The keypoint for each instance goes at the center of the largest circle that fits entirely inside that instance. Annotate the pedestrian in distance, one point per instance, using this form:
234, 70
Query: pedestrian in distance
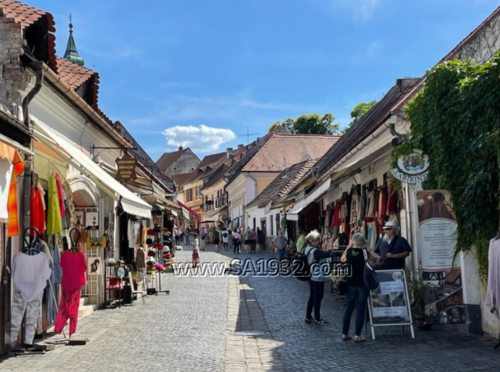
236, 242
261, 240
248, 239
279, 243
196, 250
320, 273
216, 236
356, 255
225, 238
253, 242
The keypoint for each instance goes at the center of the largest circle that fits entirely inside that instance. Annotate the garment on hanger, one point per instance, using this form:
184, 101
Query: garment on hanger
68, 309
382, 205
54, 223
392, 203
55, 280
493, 291
370, 206
37, 217
140, 261
74, 267
13, 228
30, 273
60, 195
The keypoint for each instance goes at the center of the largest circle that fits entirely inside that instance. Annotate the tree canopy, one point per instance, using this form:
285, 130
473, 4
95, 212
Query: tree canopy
360, 109
309, 124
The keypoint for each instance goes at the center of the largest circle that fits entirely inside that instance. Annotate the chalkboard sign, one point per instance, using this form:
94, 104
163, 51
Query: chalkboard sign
389, 304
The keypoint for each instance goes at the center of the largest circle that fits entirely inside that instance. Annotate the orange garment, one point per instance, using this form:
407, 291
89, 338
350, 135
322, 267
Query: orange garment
11, 154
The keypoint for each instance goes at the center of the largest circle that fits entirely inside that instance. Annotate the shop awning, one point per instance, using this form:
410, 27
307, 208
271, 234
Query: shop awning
191, 212
6, 144
131, 203
293, 215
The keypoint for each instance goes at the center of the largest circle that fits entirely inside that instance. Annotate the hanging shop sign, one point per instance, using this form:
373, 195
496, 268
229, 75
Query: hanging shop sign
412, 168
441, 271
389, 303
126, 168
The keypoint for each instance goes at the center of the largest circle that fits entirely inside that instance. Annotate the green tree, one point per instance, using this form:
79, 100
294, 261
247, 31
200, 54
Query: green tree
358, 111
309, 124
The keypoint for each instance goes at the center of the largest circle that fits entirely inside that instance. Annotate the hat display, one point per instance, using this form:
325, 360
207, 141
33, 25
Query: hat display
149, 241
390, 225
151, 232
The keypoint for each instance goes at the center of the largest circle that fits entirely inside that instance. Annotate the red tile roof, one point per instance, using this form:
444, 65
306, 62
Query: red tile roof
180, 179
75, 76
283, 150
26, 16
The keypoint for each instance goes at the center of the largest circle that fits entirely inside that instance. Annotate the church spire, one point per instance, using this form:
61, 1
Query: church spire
71, 54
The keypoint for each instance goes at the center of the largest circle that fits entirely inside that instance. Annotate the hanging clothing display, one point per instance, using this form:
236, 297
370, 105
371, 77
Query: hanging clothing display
12, 207
74, 267
392, 204
60, 195
68, 309
493, 291
54, 222
140, 261
29, 275
55, 280
37, 218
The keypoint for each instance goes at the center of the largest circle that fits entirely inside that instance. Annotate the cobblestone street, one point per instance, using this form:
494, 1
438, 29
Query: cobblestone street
241, 323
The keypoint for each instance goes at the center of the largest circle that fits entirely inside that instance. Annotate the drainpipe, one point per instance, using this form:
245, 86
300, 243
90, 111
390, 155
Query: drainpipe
26, 181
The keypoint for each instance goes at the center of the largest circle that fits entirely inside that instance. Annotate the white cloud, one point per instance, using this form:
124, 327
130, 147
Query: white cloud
202, 138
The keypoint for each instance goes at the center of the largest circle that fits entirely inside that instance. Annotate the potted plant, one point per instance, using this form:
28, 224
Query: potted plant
416, 290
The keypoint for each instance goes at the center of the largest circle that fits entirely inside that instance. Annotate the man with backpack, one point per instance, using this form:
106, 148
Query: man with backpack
319, 271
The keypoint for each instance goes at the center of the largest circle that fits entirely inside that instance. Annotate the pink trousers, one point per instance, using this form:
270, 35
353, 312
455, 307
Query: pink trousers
68, 309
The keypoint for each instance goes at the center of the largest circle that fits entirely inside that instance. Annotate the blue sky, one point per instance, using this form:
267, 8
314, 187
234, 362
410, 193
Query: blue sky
202, 72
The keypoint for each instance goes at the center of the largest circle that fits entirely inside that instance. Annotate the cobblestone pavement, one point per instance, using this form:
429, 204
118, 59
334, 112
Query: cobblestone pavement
247, 324
309, 347
183, 331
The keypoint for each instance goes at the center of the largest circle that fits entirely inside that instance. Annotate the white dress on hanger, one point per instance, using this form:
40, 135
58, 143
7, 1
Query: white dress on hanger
493, 291
30, 274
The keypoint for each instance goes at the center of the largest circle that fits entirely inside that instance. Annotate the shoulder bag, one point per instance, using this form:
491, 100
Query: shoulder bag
370, 275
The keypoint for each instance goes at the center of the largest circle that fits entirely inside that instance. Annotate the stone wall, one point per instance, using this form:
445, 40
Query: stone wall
11, 74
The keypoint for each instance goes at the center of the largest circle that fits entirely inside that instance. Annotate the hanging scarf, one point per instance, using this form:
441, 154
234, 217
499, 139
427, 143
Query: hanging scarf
12, 207
54, 222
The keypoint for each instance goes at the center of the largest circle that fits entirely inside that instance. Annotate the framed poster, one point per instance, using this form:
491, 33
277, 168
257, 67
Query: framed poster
92, 219
78, 218
389, 304
442, 274
94, 265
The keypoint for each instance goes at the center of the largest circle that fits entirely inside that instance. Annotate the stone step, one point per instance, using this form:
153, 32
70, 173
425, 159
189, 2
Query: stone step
85, 311
84, 301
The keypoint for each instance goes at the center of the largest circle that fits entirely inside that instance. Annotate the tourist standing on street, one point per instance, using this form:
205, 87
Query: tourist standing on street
196, 250
203, 237
356, 255
279, 243
392, 248
248, 239
177, 237
216, 239
236, 242
320, 273
225, 238
261, 240
186, 236
253, 242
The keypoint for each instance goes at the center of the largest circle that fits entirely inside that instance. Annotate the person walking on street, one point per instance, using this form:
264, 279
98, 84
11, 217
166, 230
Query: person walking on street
279, 243
261, 241
216, 239
203, 238
356, 255
253, 241
225, 238
236, 242
248, 239
318, 262
196, 250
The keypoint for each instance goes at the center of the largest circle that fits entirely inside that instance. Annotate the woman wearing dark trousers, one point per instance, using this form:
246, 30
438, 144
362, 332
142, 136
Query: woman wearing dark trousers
320, 273
357, 294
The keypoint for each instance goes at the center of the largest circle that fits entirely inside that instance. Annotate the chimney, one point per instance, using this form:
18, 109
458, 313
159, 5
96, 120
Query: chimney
240, 146
229, 152
180, 148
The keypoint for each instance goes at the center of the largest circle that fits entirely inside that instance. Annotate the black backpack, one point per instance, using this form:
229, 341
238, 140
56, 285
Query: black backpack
300, 266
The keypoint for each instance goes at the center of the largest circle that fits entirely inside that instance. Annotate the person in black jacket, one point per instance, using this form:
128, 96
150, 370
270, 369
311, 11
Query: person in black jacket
392, 248
357, 294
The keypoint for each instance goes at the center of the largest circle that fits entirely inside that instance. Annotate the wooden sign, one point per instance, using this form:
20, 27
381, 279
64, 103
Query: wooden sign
126, 168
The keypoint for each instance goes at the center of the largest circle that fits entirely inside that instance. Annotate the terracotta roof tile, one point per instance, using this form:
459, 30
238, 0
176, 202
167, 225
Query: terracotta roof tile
283, 184
75, 76
283, 150
26, 16
180, 179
